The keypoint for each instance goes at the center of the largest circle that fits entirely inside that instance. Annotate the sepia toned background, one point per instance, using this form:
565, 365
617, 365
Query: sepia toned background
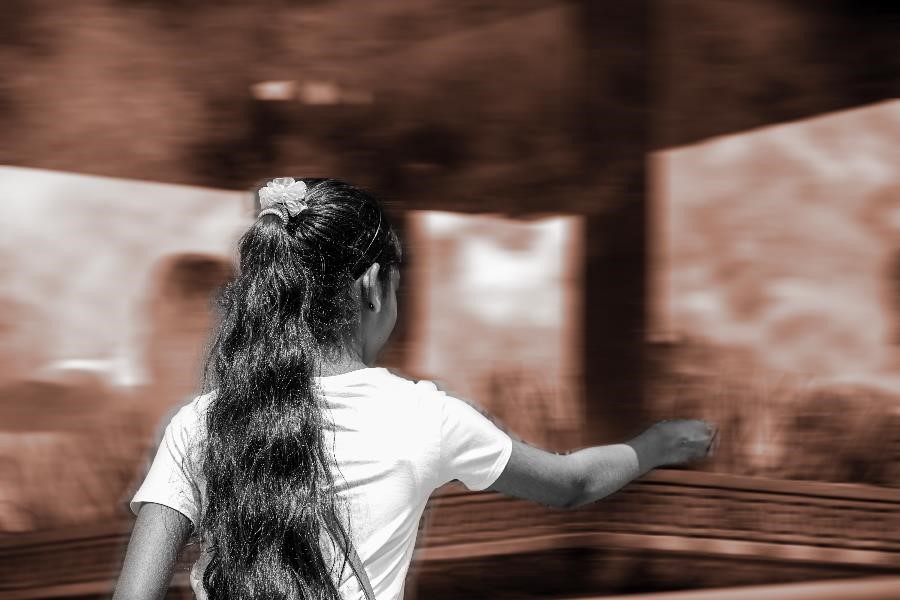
612, 213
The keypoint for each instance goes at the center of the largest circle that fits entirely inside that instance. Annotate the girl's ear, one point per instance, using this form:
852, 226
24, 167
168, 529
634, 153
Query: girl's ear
371, 287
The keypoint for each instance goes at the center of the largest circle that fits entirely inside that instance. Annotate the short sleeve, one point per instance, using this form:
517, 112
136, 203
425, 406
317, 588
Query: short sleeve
168, 481
473, 449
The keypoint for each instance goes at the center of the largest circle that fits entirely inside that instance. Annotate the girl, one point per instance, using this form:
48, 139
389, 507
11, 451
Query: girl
301, 457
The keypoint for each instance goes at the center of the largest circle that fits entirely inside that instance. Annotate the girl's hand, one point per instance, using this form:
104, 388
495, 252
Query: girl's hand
682, 440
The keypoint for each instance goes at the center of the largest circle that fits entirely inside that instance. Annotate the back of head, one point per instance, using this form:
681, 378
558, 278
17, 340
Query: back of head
269, 492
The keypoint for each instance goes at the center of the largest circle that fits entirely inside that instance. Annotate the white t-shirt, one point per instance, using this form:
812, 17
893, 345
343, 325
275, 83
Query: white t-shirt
395, 442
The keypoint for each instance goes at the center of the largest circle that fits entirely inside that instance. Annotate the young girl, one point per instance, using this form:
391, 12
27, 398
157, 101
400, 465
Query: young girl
303, 469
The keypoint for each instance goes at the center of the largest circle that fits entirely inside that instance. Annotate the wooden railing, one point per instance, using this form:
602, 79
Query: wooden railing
849, 528
671, 510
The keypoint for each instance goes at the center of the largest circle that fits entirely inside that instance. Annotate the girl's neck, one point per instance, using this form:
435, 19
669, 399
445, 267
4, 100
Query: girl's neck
342, 365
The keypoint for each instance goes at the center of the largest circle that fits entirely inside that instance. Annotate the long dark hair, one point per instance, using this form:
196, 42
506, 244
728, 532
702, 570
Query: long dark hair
269, 487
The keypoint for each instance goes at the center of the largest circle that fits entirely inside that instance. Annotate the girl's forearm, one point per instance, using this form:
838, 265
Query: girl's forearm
606, 469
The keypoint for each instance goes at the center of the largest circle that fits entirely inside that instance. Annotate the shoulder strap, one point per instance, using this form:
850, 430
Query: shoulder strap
353, 557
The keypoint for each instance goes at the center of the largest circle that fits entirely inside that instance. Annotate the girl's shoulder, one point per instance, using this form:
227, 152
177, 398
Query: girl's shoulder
189, 418
418, 386
375, 377
394, 387
423, 383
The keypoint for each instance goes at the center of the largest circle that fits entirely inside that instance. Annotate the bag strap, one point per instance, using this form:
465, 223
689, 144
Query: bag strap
355, 562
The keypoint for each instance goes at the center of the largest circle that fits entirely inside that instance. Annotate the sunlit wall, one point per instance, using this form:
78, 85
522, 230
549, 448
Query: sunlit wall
105, 311
775, 279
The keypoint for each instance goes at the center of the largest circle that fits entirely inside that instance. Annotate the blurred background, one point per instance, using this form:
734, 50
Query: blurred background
613, 213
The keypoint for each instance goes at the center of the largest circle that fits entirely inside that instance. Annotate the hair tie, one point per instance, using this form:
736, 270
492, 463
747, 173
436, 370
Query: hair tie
275, 210
283, 196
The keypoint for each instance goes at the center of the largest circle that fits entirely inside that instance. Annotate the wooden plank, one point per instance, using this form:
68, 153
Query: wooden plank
663, 543
868, 588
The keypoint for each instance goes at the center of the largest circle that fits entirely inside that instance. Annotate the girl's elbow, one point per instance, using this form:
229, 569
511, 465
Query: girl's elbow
573, 497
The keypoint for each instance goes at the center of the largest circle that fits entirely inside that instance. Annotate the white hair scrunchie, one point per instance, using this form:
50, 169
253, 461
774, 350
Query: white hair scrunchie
284, 197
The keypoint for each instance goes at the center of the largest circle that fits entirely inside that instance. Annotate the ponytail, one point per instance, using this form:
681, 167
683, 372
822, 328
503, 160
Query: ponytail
269, 486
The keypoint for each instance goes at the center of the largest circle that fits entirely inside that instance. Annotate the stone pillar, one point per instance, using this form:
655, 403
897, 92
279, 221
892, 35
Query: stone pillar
179, 317
611, 130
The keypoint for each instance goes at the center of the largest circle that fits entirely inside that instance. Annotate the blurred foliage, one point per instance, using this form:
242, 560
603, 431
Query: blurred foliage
778, 425
534, 410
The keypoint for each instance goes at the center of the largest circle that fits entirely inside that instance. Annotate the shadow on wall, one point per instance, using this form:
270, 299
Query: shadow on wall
177, 317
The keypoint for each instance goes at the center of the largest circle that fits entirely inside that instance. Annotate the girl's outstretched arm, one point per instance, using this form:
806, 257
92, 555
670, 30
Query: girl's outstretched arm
587, 475
158, 537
